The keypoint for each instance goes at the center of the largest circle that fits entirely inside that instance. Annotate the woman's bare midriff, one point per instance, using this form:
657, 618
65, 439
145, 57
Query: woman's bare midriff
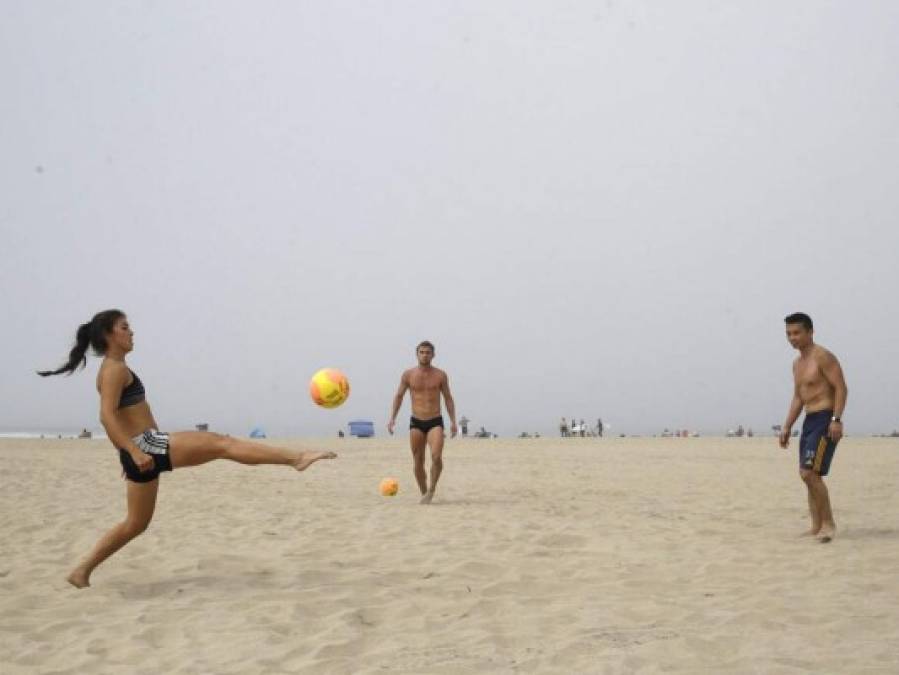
135, 419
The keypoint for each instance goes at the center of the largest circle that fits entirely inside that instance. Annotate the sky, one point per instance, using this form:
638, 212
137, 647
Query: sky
593, 209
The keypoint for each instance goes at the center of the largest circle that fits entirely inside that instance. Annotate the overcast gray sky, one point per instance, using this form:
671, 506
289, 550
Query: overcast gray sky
592, 208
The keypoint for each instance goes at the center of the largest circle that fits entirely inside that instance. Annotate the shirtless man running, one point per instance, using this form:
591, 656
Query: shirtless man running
821, 390
426, 426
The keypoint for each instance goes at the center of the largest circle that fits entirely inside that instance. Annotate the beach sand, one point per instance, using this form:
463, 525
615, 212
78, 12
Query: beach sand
537, 556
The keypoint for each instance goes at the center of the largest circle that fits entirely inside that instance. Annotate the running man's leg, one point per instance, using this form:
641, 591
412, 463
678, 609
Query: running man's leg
141, 498
418, 441
435, 441
191, 448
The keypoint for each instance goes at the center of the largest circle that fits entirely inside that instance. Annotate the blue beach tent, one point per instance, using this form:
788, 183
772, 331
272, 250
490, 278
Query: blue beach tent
362, 428
258, 432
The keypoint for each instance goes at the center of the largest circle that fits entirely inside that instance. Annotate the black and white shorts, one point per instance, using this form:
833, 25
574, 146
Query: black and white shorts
154, 443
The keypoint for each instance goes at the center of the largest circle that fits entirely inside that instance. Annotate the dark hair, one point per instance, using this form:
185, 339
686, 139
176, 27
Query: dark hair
801, 318
90, 334
424, 343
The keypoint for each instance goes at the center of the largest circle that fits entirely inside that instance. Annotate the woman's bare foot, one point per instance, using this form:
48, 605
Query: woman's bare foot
811, 533
79, 578
426, 498
307, 458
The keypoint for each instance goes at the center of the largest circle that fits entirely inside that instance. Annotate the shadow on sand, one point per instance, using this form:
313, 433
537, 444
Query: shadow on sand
197, 584
478, 501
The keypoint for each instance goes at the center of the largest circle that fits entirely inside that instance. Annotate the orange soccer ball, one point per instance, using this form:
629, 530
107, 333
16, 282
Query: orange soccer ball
329, 388
389, 487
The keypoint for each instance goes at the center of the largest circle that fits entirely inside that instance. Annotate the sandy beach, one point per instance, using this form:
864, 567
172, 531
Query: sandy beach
537, 556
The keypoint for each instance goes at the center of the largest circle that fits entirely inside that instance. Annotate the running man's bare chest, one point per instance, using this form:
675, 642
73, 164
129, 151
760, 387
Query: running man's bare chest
420, 383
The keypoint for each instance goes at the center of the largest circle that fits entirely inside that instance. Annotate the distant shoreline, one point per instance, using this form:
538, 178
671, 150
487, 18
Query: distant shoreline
57, 434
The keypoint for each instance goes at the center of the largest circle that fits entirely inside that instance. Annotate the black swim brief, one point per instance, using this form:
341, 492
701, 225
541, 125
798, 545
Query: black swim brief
815, 447
426, 425
154, 443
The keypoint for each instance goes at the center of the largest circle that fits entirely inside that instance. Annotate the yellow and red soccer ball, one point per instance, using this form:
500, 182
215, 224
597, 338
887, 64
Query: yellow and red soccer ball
389, 487
329, 388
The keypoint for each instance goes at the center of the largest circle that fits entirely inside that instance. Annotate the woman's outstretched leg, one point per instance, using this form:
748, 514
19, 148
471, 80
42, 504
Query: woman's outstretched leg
141, 499
190, 448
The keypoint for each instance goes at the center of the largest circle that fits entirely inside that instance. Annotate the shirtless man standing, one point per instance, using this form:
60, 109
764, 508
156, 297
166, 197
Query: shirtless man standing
821, 389
426, 426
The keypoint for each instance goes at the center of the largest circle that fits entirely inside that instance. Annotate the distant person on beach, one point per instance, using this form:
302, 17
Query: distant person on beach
145, 452
820, 388
599, 427
426, 383
463, 424
563, 428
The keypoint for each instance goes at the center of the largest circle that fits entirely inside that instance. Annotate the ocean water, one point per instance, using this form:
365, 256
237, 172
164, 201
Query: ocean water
47, 433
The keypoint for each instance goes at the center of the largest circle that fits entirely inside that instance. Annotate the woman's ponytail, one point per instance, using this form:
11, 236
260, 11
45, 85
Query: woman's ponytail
90, 334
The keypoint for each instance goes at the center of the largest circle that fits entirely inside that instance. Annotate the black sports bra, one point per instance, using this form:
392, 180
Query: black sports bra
134, 393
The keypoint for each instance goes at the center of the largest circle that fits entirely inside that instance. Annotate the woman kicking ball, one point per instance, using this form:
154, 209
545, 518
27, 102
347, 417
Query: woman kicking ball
144, 451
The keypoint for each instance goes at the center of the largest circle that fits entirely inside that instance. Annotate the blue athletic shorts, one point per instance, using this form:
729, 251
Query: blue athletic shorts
815, 448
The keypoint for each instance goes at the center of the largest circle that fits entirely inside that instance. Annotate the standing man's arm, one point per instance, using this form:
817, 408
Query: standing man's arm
833, 373
450, 405
397, 402
792, 414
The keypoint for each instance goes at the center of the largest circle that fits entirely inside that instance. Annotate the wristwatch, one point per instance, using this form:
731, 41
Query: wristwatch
836, 419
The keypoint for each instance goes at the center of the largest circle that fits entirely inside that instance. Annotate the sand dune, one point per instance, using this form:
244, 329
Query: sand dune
538, 556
